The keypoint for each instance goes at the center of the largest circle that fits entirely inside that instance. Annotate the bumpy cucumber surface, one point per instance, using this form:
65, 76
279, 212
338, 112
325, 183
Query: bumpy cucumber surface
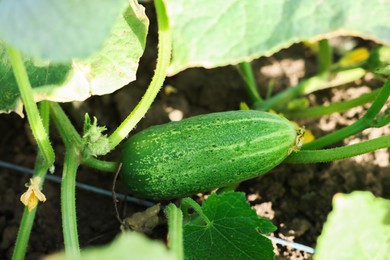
204, 152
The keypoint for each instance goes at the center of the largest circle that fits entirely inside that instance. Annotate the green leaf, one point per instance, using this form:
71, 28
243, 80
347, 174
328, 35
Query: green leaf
220, 32
58, 30
385, 70
108, 70
357, 228
233, 231
129, 245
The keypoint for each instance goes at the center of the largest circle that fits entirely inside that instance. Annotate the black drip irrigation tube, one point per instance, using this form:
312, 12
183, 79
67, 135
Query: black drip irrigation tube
141, 202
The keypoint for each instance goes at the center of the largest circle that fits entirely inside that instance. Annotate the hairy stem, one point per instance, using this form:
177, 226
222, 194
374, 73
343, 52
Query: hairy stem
175, 229
30, 106
104, 166
318, 111
67, 131
367, 121
317, 82
163, 60
68, 203
327, 155
40, 170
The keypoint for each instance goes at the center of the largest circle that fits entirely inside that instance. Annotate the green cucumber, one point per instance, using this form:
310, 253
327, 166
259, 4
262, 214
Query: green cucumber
205, 152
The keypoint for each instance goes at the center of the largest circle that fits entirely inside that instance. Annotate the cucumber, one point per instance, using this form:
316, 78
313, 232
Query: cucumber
201, 153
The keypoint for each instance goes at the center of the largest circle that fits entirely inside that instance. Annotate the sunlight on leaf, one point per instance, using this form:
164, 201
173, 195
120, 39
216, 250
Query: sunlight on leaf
111, 68
354, 57
221, 32
357, 228
58, 30
128, 245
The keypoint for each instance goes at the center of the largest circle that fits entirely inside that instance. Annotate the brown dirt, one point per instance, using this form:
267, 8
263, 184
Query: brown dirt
296, 197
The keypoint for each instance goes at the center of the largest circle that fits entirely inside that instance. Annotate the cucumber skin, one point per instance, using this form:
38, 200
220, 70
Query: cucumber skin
201, 153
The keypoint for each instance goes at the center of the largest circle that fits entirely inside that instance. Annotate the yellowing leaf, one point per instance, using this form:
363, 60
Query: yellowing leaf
354, 57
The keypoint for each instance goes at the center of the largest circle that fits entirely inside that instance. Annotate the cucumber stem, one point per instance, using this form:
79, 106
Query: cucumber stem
327, 155
317, 82
367, 121
68, 133
30, 106
104, 166
71, 137
68, 203
175, 230
317, 111
163, 60
40, 170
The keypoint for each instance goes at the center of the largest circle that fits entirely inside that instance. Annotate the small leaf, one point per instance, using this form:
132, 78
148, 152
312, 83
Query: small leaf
233, 231
244, 106
379, 57
385, 70
357, 228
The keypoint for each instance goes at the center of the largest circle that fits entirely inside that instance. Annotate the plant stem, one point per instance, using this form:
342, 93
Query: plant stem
68, 203
318, 111
317, 82
163, 60
104, 166
72, 138
40, 170
286, 95
367, 121
175, 229
73, 144
246, 72
67, 131
188, 202
327, 155
324, 56
30, 106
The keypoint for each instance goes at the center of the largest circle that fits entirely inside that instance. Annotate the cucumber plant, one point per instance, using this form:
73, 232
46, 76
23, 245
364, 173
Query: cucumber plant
178, 159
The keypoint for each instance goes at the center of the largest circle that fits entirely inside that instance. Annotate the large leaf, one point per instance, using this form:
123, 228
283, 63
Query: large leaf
58, 30
233, 231
114, 66
220, 32
126, 246
357, 228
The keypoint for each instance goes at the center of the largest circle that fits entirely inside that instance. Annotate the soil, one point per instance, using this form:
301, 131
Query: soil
297, 198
